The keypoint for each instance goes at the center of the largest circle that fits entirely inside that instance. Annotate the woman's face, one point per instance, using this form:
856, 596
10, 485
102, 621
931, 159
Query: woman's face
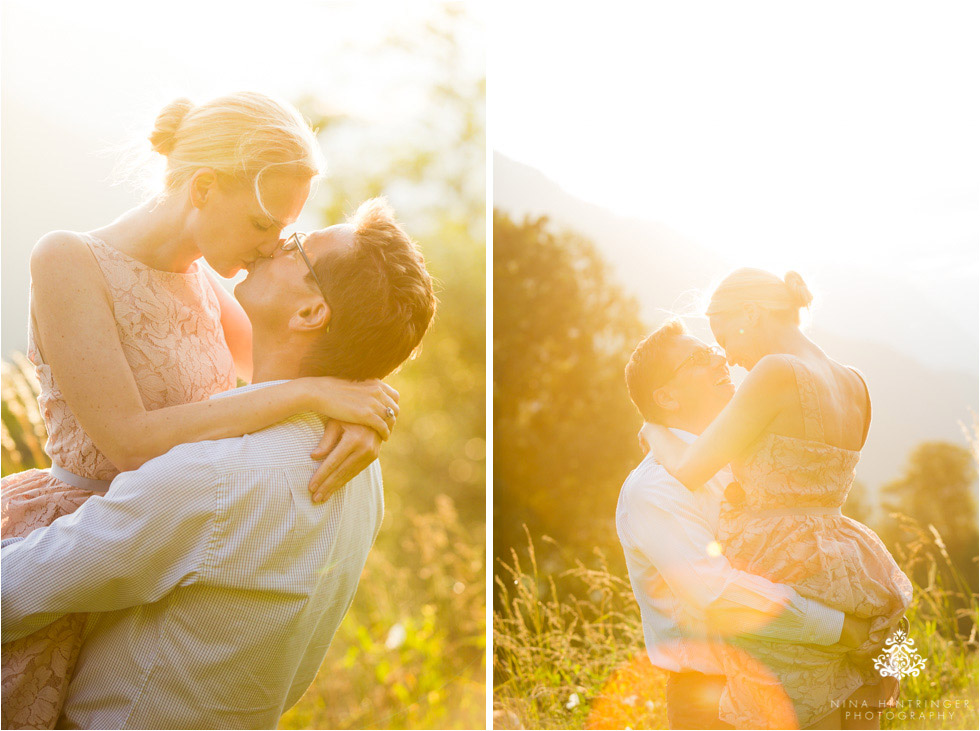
733, 331
231, 229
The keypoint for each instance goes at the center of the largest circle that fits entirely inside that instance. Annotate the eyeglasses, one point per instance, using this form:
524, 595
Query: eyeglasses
295, 243
700, 357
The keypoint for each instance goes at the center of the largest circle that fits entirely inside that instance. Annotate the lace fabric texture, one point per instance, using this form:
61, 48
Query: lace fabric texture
169, 325
170, 330
830, 558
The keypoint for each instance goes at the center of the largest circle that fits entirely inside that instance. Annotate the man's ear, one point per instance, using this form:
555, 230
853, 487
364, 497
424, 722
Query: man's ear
314, 315
752, 313
202, 183
664, 398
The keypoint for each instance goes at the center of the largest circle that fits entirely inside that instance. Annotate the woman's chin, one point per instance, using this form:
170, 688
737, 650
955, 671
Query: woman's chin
225, 269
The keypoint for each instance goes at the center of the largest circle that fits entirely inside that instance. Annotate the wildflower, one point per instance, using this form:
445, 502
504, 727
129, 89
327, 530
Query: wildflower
572, 701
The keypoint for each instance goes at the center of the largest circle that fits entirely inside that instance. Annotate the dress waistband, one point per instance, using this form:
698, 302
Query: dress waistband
802, 510
82, 483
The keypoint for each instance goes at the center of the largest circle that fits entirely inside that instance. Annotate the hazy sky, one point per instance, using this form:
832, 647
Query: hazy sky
785, 135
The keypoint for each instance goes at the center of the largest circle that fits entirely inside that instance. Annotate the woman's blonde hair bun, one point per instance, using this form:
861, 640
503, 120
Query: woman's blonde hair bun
799, 292
164, 135
762, 288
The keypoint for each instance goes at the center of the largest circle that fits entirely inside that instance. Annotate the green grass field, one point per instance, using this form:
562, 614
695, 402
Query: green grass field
574, 658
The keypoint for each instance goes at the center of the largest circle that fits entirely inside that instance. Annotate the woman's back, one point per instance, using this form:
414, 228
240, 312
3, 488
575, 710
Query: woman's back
833, 404
795, 463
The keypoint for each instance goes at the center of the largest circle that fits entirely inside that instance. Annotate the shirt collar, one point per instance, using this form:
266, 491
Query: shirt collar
249, 387
684, 436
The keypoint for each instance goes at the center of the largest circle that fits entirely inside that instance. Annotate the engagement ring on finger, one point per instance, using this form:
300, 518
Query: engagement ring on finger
390, 413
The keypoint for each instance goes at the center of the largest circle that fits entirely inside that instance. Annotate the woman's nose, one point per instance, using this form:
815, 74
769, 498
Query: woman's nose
269, 248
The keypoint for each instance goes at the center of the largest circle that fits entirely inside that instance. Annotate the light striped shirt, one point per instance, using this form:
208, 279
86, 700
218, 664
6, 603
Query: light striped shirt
681, 579
217, 584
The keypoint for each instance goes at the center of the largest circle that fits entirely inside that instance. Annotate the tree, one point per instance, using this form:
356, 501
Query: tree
937, 490
564, 428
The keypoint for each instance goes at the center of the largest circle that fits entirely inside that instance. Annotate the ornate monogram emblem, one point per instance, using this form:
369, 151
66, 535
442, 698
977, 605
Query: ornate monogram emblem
899, 658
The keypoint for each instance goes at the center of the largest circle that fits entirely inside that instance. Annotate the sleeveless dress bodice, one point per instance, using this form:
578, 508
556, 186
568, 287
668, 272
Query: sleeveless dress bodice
169, 326
787, 527
790, 472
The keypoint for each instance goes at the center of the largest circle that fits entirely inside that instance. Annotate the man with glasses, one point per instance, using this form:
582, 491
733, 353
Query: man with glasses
214, 581
690, 597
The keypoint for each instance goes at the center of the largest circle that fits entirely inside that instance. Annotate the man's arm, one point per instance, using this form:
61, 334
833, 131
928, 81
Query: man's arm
147, 535
676, 537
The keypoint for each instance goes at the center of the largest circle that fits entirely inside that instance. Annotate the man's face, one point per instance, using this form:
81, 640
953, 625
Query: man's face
701, 383
277, 287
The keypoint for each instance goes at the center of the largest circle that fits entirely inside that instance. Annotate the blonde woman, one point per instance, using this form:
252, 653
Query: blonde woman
130, 337
792, 434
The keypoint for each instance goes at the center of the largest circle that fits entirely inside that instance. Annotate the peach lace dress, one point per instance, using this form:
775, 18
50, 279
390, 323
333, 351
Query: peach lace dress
170, 330
789, 529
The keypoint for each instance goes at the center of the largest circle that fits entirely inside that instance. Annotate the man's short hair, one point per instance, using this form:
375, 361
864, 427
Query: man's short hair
380, 297
647, 368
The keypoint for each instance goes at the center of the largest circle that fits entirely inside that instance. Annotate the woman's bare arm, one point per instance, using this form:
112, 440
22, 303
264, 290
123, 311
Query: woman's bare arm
236, 327
763, 395
77, 336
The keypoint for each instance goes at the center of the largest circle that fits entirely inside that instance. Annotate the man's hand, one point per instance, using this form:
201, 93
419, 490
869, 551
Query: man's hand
346, 450
855, 631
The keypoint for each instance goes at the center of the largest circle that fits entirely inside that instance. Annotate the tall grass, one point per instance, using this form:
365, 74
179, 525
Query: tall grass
564, 661
22, 434
576, 659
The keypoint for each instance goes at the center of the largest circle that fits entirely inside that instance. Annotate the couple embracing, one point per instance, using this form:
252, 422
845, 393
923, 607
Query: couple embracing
764, 604
188, 557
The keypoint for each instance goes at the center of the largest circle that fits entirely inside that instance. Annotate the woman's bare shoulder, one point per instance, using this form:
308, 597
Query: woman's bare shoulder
65, 271
58, 242
772, 371
61, 250
771, 381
